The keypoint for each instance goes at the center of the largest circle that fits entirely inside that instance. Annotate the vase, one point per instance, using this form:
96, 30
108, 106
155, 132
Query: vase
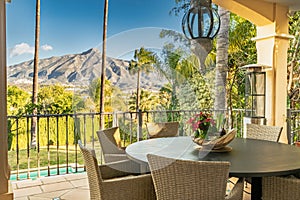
200, 133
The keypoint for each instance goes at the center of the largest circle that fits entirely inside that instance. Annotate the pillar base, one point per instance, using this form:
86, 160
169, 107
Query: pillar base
6, 196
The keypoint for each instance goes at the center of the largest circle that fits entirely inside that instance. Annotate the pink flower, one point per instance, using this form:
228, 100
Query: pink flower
201, 121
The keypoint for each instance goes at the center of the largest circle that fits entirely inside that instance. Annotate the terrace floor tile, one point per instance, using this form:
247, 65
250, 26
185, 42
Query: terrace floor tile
63, 187
27, 183
57, 186
27, 191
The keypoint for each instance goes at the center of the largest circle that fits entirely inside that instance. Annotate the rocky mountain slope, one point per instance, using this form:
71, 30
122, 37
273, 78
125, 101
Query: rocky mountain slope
78, 70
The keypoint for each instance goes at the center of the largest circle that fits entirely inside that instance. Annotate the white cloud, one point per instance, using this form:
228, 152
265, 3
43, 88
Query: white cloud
19, 49
24, 48
47, 47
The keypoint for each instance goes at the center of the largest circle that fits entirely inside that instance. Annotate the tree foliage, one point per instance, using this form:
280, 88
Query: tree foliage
242, 51
92, 102
293, 61
16, 100
144, 61
148, 101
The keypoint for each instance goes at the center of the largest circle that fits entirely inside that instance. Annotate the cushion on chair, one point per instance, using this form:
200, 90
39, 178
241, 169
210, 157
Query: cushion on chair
162, 129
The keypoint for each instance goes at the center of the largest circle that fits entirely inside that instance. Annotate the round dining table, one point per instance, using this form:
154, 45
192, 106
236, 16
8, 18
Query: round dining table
248, 157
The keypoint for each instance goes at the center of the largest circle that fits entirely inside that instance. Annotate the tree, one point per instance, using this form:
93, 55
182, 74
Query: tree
35, 74
105, 16
148, 101
293, 61
179, 67
16, 100
144, 61
94, 95
241, 51
55, 99
222, 60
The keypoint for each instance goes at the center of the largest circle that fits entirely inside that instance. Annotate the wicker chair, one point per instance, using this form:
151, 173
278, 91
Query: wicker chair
162, 129
110, 182
110, 141
182, 179
263, 132
280, 188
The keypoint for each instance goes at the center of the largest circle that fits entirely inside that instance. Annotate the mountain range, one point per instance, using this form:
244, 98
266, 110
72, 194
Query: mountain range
78, 70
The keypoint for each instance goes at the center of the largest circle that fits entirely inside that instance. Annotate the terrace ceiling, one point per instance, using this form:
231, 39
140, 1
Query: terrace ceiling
293, 5
260, 12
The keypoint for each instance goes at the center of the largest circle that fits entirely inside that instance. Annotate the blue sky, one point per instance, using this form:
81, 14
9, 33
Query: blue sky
74, 26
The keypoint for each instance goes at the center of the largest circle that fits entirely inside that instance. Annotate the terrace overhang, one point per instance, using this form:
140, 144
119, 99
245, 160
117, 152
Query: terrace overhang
272, 43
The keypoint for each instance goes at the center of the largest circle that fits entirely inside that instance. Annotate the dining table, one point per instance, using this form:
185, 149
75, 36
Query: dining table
248, 157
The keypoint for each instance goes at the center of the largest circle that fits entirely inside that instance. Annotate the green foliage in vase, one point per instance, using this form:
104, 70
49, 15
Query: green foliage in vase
201, 123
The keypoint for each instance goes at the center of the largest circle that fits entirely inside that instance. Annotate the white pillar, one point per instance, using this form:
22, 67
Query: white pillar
272, 44
4, 169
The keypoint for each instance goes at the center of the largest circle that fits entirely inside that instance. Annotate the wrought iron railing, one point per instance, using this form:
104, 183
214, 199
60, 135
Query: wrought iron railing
56, 150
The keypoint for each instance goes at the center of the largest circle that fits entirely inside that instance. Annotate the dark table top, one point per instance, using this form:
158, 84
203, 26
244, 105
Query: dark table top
248, 157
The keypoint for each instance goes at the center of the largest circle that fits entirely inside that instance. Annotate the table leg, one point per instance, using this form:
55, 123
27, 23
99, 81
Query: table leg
256, 188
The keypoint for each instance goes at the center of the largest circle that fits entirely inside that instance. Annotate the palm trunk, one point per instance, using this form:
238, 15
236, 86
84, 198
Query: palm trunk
138, 91
102, 85
222, 61
35, 74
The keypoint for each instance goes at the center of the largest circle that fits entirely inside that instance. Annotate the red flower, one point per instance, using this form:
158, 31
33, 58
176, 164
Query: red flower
201, 121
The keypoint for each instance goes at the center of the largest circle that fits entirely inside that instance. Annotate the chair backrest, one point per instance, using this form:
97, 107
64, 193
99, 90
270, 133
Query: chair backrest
93, 172
183, 179
263, 132
162, 129
280, 188
110, 141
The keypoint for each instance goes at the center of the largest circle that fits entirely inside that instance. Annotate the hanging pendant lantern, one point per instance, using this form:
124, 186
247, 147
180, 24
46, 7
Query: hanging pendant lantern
201, 21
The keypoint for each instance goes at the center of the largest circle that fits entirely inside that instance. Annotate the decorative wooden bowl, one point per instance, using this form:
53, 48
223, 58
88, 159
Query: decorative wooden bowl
218, 143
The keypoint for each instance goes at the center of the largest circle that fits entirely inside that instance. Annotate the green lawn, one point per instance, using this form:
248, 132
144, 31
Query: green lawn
44, 157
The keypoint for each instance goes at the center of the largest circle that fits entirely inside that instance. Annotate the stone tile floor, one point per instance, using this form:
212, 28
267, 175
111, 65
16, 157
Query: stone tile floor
62, 187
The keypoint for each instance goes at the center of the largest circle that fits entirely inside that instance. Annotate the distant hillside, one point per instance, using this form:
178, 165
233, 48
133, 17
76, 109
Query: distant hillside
78, 70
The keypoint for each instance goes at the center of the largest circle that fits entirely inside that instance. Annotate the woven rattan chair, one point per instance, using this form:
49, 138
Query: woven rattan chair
280, 188
263, 132
109, 181
182, 179
162, 129
110, 141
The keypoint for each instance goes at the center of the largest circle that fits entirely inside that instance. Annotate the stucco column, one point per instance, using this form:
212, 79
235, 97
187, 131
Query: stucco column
272, 44
4, 169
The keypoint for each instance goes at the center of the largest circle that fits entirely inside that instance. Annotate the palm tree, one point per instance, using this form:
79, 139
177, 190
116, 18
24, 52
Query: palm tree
177, 69
35, 74
102, 85
222, 59
144, 61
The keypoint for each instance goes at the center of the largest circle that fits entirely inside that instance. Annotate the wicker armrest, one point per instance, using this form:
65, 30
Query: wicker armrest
119, 169
142, 186
237, 192
114, 157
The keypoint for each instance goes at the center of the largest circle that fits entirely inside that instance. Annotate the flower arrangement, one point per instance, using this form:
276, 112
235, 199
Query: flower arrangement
201, 123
